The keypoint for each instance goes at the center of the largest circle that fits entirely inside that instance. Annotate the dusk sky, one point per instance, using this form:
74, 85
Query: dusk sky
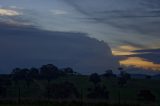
129, 27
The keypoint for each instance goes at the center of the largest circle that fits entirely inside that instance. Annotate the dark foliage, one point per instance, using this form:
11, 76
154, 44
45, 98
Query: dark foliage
68, 71
123, 79
64, 90
109, 74
95, 78
49, 72
146, 96
98, 92
3, 91
125, 75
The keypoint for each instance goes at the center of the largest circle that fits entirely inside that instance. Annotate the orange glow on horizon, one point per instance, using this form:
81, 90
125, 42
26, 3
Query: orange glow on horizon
128, 51
121, 53
124, 50
140, 63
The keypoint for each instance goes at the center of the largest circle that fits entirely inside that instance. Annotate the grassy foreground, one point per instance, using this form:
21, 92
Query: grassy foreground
128, 93
66, 103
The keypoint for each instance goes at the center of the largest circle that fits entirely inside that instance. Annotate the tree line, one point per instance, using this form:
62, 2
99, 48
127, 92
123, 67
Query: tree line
66, 89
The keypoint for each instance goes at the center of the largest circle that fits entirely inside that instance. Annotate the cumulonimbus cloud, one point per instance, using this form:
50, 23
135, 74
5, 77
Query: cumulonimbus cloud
29, 46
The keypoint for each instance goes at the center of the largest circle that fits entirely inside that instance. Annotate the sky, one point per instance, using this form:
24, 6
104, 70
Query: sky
129, 27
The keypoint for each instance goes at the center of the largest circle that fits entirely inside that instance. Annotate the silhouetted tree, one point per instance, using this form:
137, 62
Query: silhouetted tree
108, 73
33, 73
148, 77
95, 78
98, 92
49, 72
18, 75
68, 71
146, 96
24, 74
64, 90
5, 83
121, 82
120, 68
125, 75
3, 91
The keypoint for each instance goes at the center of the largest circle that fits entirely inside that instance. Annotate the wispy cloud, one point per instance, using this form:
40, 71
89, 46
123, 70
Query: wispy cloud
125, 50
156, 51
15, 16
8, 12
58, 12
126, 17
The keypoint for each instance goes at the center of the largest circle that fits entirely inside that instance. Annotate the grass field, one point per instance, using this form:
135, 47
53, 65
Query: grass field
70, 103
128, 93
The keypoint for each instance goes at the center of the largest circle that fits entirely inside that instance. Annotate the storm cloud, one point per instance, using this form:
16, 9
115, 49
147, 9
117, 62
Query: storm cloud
27, 46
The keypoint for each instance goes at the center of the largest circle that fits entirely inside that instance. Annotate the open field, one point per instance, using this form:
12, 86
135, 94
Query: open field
71, 103
128, 93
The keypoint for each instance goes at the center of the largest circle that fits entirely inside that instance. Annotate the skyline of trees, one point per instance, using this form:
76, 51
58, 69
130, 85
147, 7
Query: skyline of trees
45, 77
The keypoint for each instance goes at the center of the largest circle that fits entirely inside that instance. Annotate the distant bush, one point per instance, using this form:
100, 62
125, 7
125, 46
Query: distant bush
146, 96
64, 90
98, 92
95, 78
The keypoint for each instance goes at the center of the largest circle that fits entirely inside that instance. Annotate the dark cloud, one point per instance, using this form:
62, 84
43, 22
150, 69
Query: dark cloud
152, 57
149, 54
156, 51
138, 71
26, 46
